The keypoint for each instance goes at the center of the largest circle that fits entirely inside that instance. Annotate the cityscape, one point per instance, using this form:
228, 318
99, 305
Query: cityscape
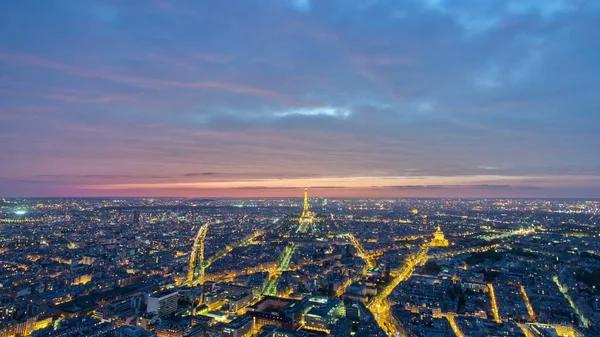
299, 168
299, 267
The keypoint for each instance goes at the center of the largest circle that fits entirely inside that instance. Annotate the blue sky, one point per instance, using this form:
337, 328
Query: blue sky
259, 98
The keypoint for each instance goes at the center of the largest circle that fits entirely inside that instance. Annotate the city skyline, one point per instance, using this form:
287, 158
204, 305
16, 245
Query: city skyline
346, 98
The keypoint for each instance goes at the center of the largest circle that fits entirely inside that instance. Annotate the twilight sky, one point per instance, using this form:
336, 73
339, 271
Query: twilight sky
470, 98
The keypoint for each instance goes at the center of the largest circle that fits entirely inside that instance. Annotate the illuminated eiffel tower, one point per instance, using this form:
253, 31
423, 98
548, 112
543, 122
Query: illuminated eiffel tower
307, 216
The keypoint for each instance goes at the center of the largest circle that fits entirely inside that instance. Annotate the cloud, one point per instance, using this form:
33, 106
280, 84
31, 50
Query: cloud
7, 115
295, 188
381, 59
75, 98
491, 168
489, 77
142, 82
303, 6
424, 106
26, 110
199, 174
95, 177
544, 8
440, 187
105, 12
106, 176
319, 111
169, 6
461, 187
213, 57
34, 181
476, 17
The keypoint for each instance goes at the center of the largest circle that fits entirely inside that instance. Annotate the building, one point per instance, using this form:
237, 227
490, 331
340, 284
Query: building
136, 217
322, 316
24, 327
280, 312
438, 239
238, 302
79, 326
178, 329
239, 327
163, 303
132, 331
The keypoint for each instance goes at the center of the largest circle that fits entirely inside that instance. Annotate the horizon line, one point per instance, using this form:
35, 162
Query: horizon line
296, 197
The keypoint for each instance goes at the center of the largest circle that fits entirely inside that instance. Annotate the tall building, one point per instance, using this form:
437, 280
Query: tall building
163, 303
136, 217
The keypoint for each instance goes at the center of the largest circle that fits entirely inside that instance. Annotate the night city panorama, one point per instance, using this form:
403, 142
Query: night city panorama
299, 168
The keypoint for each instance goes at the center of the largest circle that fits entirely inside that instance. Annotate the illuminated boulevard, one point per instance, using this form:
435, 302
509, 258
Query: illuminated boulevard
380, 306
204, 264
453, 325
284, 264
362, 253
565, 291
527, 303
494, 304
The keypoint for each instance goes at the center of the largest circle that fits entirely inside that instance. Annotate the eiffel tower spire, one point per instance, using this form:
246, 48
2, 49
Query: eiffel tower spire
305, 200
306, 214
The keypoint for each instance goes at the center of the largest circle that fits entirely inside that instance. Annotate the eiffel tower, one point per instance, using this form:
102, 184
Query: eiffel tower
307, 216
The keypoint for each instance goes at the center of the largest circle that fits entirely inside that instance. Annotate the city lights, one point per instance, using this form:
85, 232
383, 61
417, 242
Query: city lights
301, 265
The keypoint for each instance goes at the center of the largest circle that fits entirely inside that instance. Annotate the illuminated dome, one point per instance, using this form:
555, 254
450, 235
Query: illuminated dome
438, 239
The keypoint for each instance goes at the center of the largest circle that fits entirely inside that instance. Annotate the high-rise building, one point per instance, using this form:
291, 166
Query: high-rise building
163, 303
136, 217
